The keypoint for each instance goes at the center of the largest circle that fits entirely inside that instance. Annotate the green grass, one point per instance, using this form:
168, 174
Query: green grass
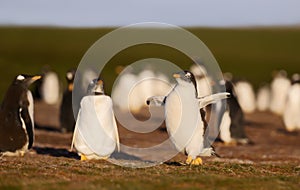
61, 173
251, 53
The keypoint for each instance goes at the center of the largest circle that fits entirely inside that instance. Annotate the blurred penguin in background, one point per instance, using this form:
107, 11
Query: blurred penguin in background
291, 114
142, 89
96, 134
66, 117
202, 79
245, 95
123, 86
263, 98
16, 117
49, 87
279, 89
232, 129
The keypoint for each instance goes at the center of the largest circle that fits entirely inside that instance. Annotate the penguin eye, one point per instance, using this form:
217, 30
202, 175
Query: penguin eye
20, 77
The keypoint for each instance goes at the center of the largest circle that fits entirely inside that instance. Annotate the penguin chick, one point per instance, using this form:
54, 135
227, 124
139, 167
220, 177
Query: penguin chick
16, 117
96, 134
185, 120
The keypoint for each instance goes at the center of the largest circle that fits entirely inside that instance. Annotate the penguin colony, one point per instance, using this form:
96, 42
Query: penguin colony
184, 103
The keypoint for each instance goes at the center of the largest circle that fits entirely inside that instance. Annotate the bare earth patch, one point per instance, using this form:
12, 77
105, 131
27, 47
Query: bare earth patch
272, 162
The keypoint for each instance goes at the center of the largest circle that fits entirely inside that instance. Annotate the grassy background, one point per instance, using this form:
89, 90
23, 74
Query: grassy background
251, 53
248, 53
71, 174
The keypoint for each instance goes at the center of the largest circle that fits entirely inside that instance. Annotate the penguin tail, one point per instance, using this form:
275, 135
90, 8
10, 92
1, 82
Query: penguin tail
211, 99
156, 101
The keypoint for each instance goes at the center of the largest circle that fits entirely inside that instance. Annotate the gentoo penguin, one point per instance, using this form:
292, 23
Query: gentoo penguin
245, 95
185, 117
67, 121
142, 89
263, 98
232, 124
16, 117
279, 88
123, 85
50, 88
95, 134
291, 114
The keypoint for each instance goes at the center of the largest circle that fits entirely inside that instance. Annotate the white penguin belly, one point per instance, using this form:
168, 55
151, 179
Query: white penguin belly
225, 134
291, 116
183, 120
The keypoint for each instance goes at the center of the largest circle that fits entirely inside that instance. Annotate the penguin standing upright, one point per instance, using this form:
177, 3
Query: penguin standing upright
291, 114
185, 117
263, 98
95, 134
16, 117
66, 117
232, 124
50, 88
279, 88
245, 95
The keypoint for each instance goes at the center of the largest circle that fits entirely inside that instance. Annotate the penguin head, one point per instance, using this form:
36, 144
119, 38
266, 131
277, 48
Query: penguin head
186, 78
96, 87
70, 75
26, 80
295, 78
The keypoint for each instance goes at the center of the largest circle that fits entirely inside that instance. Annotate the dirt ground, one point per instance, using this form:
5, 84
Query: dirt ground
271, 142
273, 146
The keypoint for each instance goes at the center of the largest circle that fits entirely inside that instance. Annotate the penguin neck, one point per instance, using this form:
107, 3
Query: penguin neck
188, 89
12, 98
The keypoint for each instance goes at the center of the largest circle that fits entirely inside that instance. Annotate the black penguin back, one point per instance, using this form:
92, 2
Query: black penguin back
14, 111
235, 112
67, 120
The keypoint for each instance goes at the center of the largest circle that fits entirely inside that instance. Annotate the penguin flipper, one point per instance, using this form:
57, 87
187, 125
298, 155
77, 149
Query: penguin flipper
29, 126
210, 99
156, 101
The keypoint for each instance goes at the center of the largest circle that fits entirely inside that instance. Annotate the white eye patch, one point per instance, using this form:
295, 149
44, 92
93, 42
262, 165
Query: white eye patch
20, 77
188, 75
69, 75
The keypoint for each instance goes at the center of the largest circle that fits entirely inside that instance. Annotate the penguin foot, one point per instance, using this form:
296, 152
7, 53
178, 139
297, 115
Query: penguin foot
231, 143
83, 157
195, 162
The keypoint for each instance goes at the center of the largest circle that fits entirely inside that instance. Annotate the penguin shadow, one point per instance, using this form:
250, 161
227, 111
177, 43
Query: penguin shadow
287, 133
124, 156
56, 152
47, 128
254, 124
174, 163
